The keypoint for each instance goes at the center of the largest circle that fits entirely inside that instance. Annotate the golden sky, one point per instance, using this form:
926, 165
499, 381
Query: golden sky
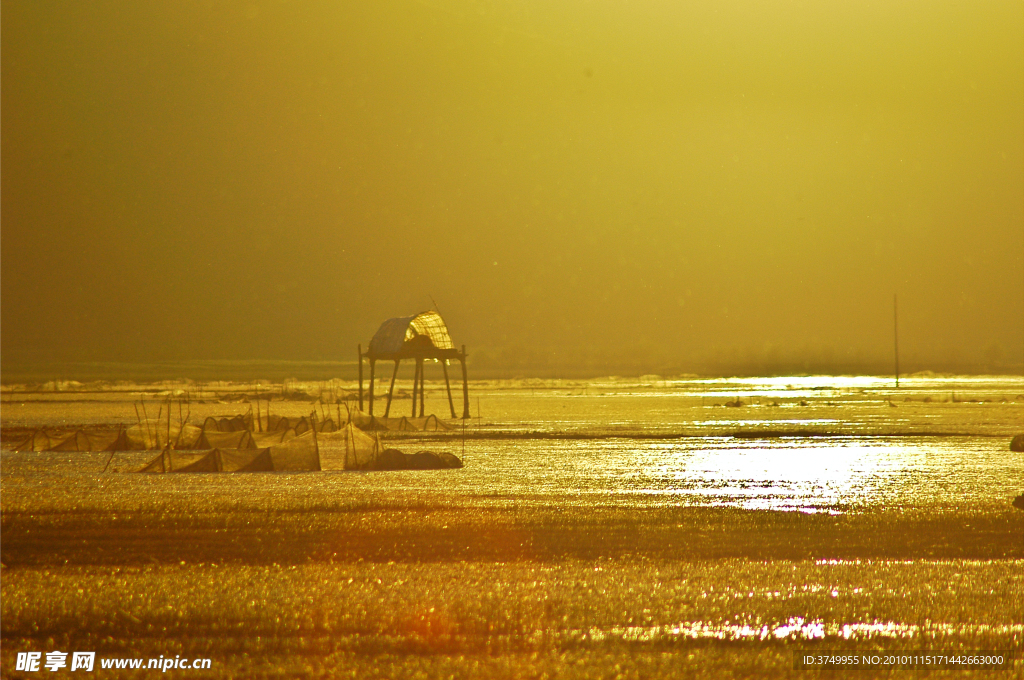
704, 185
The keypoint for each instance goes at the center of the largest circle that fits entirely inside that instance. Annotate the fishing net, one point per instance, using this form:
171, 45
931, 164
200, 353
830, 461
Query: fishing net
242, 439
79, 440
297, 454
149, 435
349, 449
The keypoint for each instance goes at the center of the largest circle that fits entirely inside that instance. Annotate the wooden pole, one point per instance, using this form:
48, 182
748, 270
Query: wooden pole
148, 433
448, 386
415, 383
465, 385
120, 430
391, 390
316, 442
421, 387
896, 339
359, 349
372, 367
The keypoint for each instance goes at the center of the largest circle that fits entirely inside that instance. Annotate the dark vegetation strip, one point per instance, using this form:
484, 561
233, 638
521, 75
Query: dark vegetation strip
16, 433
660, 436
416, 535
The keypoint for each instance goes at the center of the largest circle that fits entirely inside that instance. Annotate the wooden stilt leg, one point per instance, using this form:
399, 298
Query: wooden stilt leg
448, 386
360, 350
372, 366
421, 388
391, 390
465, 386
415, 384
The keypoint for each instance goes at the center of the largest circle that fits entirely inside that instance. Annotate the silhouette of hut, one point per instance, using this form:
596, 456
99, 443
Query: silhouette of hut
420, 337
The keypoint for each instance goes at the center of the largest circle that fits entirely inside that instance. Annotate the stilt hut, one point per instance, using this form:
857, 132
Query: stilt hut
417, 338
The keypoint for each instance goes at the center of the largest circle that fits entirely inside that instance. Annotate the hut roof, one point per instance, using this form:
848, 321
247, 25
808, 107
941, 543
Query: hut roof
423, 335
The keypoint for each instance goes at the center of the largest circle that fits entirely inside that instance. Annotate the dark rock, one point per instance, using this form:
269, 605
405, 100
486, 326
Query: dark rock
1017, 444
450, 460
1018, 502
425, 460
391, 459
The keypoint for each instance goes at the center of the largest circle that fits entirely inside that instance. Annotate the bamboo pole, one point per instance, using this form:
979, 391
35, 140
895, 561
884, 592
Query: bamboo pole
373, 365
148, 433
421, 388
465, 385
448, 387
316, 443
168, 422
391, 389
120, 429
359, 349
896, 339
415, 383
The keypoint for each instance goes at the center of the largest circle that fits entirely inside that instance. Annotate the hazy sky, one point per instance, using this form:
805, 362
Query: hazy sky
697, 183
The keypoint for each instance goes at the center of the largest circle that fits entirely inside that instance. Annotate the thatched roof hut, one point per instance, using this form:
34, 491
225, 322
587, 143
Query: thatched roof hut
418, 337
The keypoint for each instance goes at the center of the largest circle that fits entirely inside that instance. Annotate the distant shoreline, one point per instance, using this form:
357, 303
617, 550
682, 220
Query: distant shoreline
246, 370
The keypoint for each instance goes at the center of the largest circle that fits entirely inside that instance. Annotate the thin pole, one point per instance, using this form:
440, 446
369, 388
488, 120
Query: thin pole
465, 385
896, 339
148, 433
156, 425
372, 367
448, 386
421, 387
415, 382
359, 349
120, 429
391, 390
316, 443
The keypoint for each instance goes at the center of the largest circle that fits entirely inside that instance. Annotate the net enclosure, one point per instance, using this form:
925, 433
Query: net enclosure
418, 338
298, 454
79, 440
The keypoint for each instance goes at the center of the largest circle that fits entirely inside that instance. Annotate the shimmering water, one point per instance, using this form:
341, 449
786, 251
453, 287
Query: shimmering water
794, 443
558, 468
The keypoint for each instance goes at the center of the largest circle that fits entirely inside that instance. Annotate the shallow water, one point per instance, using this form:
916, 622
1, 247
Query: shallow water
525, 558
810, 444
